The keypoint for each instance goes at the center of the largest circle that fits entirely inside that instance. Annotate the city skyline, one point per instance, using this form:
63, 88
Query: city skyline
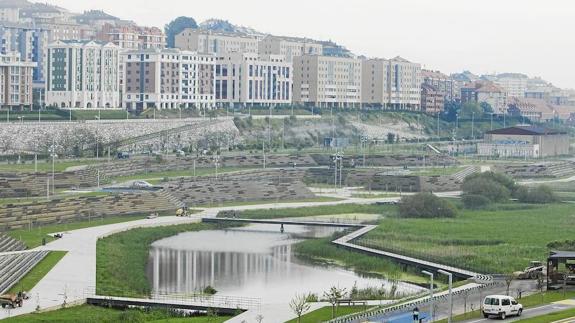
505, 37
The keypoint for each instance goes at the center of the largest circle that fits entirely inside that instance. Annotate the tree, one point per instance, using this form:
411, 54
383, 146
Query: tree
541, 194
470, 109
390, 138
299, 306
426, 205
333, 296
176, 26
508, 280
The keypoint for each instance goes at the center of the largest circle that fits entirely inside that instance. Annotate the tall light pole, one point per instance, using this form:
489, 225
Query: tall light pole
450, 275
473, 125
430, 293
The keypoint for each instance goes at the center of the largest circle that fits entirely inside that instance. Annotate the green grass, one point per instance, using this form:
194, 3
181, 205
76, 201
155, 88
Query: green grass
179, 173
46, 165
527, 302
243, 203
435, 171
38, 272
493, 241
324, 252
121, 258
319, 210
552, 317
33, 238
324, 314
94, 314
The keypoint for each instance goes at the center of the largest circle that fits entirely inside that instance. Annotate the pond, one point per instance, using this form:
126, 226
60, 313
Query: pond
252, 261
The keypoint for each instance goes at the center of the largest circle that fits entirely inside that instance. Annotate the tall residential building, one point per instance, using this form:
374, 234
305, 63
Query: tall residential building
168, 79
253, 79
31, 43
15, 81
391, 84
327, 81
8, 14
514, 84
432, 99
441, 83
289, 47
207, 42
130, 36
83, 74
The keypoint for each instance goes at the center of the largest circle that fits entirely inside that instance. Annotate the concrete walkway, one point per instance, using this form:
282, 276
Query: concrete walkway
74, 277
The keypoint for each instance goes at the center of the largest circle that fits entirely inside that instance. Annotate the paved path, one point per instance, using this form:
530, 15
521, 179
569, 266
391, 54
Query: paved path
75, 274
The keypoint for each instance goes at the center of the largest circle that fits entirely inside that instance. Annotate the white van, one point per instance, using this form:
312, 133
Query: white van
501, 306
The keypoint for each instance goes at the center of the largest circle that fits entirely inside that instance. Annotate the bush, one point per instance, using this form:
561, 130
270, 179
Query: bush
426, 205
502, 179
475, 202
209, 290
486, 187
536, 195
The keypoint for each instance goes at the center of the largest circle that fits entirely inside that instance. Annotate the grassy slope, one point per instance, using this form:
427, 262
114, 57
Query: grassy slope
488, 241
529, 301
324, 314
46, 166
121, 259
33, 238
551, 317
93, 314
319, 210
180, 173
38, 272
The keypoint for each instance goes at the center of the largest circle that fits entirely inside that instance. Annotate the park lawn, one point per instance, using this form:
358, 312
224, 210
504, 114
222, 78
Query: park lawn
487, 241
324, 314
122, 257
179, 173
38, 272
388, 210
552, 317
534, 300
33, 238
46, 165
243, 203
95, 314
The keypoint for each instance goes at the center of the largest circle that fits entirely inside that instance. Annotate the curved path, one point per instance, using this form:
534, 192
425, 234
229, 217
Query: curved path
72, 279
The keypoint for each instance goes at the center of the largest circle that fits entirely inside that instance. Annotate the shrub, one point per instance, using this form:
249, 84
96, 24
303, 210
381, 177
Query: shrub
209, 290
489, 188
536, 195
567, 245
475, 202
426, 205
502, 179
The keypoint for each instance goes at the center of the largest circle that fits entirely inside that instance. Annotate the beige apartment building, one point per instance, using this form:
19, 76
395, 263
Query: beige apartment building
391, 84
168, 79
15, 81
289, 47
131, 36
327, 81
207, 42
253, 79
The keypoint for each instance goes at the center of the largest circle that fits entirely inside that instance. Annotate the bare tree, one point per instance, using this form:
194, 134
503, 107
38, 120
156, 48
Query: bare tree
333, 296
508, 280
259, 318
299, 306
465, 296
541, 285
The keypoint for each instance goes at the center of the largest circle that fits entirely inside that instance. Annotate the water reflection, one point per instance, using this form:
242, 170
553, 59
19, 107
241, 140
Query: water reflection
254, 261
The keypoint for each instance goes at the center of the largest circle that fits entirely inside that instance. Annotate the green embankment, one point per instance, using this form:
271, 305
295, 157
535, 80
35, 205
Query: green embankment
33, 237
94, 314
324, 314
121, 258
385, 210
38, 272
495, 241
553, 317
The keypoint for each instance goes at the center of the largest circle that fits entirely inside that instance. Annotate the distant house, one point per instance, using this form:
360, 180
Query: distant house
485, 91
524, 142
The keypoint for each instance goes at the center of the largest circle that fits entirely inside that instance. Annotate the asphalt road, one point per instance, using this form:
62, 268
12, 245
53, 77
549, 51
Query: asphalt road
530, 312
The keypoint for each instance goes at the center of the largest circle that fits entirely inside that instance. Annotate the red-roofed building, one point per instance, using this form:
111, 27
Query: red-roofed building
488, 92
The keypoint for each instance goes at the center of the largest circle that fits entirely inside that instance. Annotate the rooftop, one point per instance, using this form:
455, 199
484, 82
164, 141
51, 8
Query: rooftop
562, 255
525, 131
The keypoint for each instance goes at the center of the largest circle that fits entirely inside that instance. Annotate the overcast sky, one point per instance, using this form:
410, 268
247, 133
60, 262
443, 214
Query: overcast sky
486, 36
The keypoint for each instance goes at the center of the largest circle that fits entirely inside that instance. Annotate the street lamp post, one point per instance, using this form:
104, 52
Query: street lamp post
450, 275
473, 125
430, 293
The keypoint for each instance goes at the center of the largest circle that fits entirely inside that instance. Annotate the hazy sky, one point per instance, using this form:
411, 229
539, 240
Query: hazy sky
485, 36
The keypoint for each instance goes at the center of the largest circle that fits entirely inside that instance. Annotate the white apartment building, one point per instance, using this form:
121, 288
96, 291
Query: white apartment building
207, 42
515, 86
247, 78
289, 47
327, 81
168, 79
83, 74
15, 81
391, 84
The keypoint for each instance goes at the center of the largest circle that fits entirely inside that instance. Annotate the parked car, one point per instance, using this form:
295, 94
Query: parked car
501, 306
123, 155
